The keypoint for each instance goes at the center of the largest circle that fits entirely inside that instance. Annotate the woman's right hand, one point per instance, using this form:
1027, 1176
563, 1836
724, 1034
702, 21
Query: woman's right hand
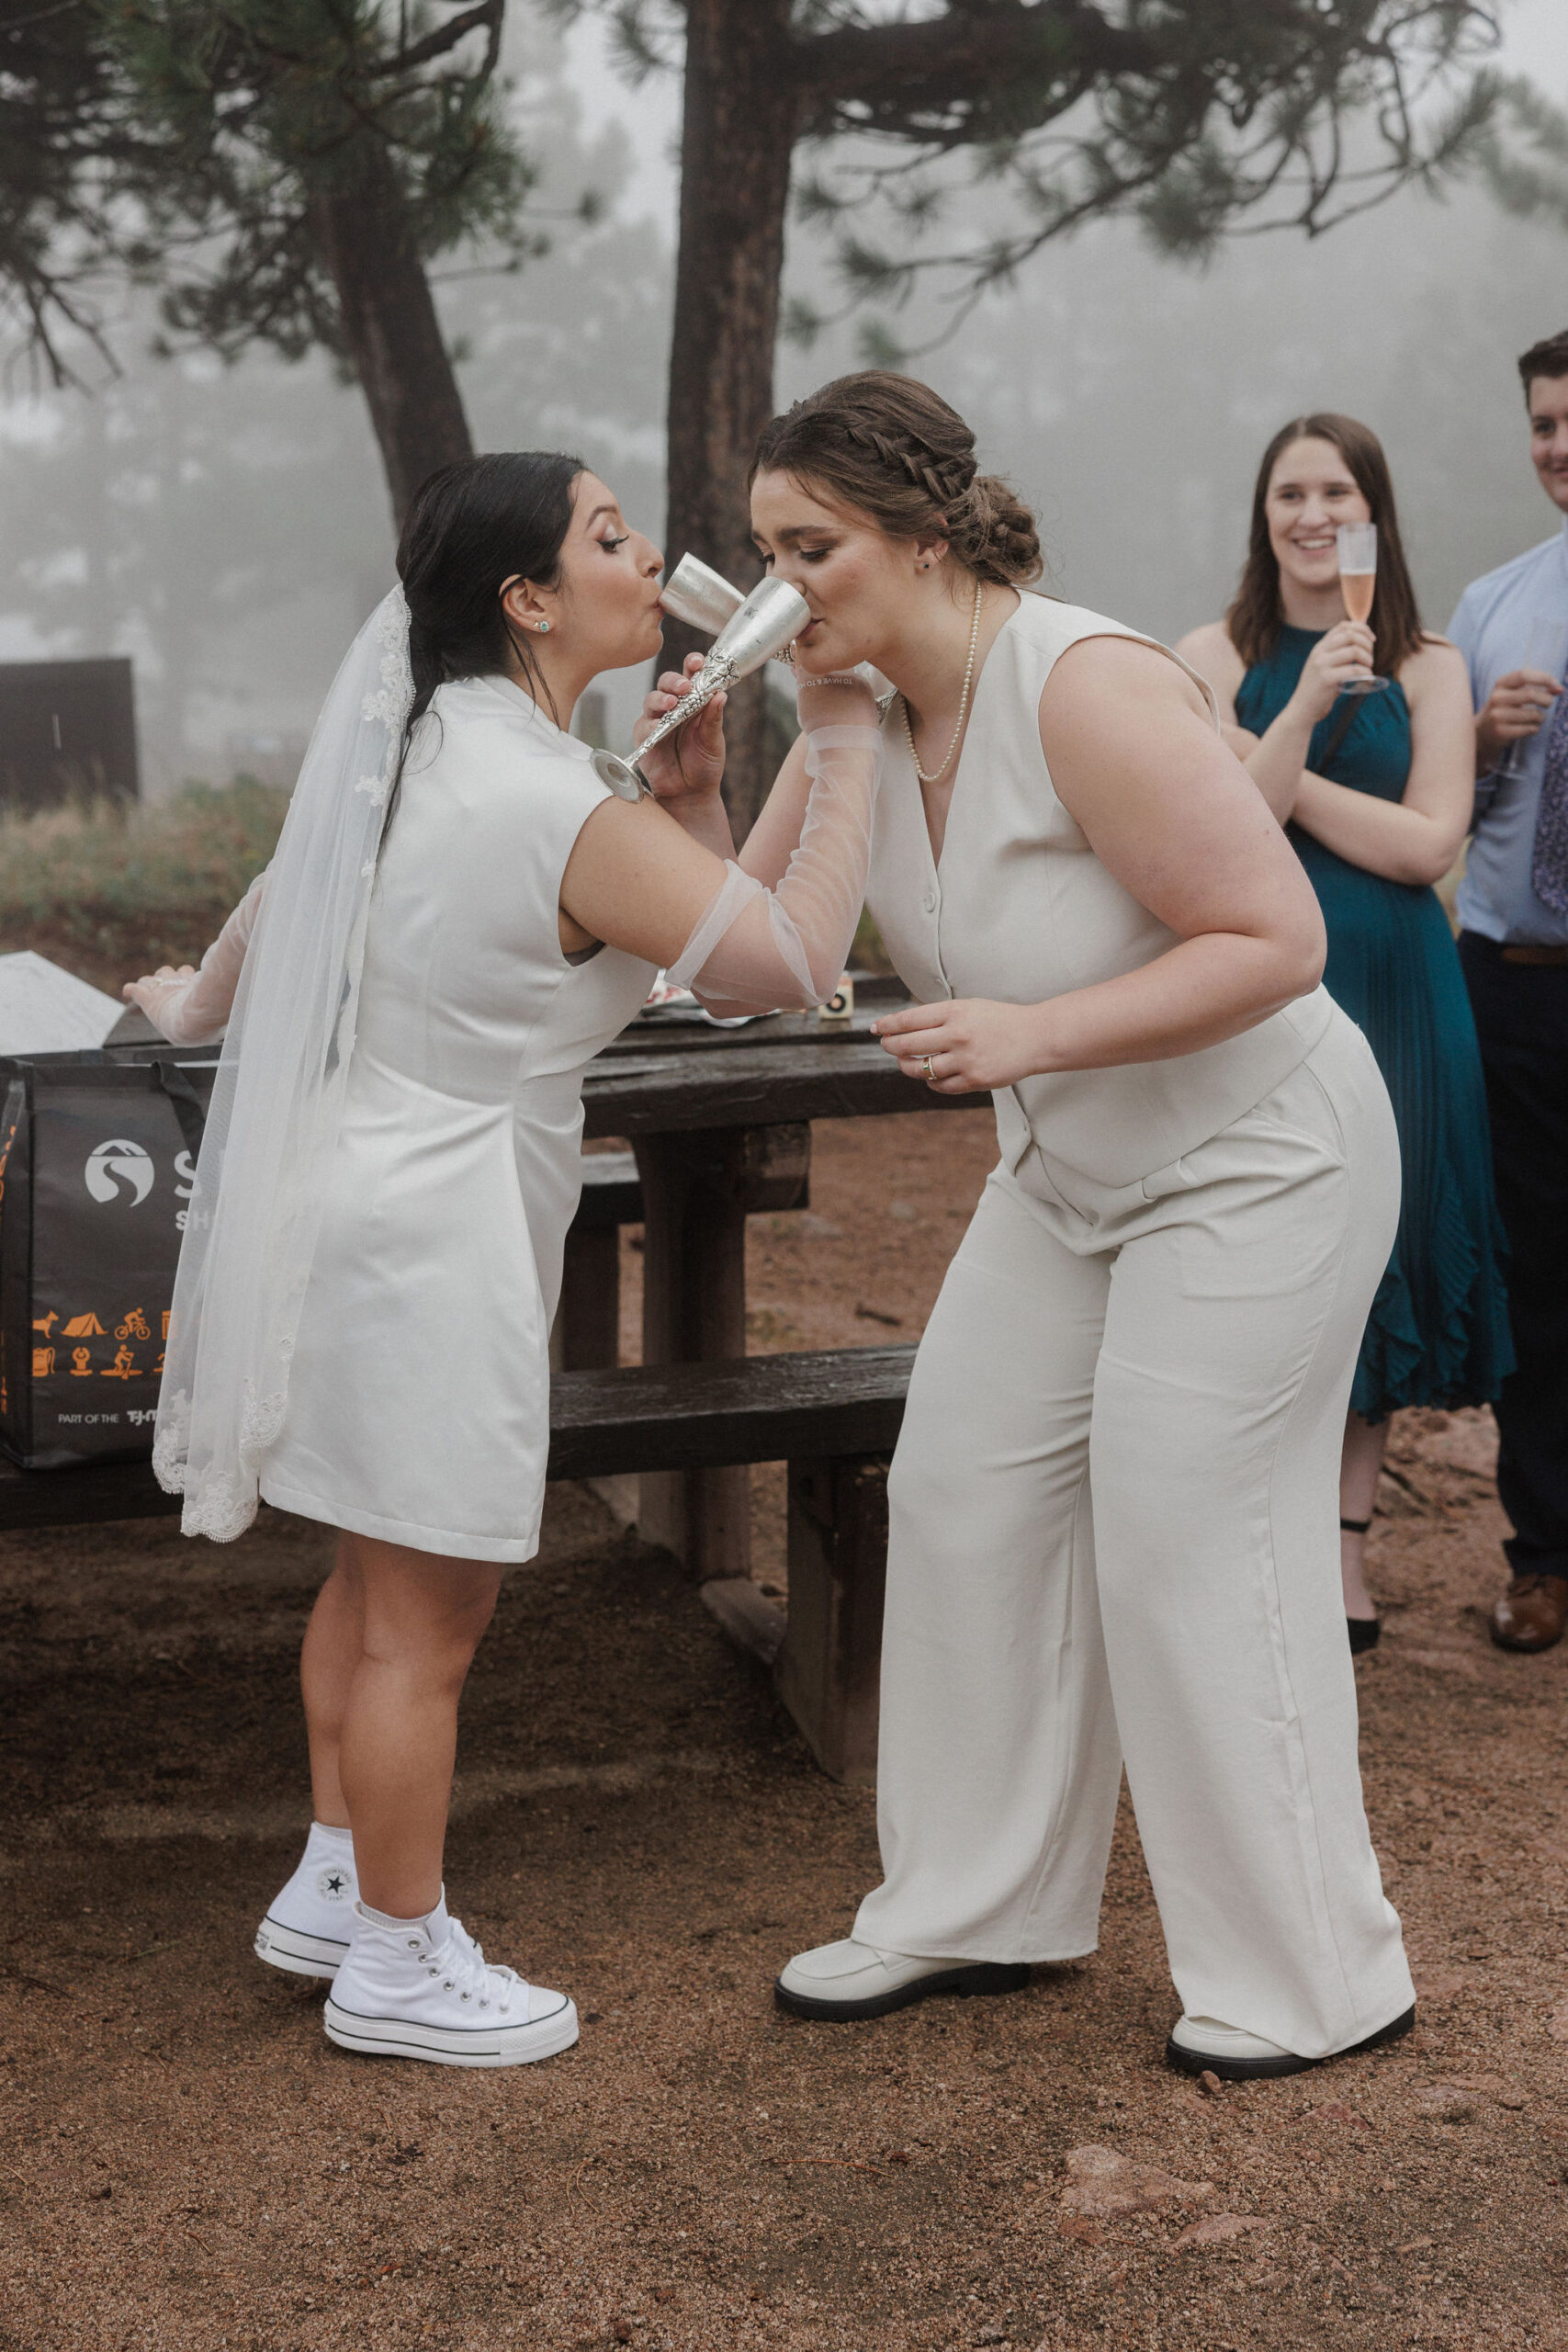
1342, 654
689, 764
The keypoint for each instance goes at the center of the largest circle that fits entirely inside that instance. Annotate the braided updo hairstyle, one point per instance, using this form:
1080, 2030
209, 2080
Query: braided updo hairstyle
890, 446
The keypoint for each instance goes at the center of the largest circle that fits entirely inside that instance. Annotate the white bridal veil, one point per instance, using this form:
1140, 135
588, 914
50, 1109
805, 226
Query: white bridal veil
278, 1098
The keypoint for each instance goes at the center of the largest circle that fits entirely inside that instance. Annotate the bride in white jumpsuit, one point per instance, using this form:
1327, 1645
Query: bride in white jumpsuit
361, 1315
1113, 1505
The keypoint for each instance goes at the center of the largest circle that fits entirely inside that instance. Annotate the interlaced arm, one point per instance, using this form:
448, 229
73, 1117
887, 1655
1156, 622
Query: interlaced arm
755, 950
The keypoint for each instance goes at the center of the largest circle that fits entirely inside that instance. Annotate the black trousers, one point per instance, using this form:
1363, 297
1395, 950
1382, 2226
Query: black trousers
1521, 1017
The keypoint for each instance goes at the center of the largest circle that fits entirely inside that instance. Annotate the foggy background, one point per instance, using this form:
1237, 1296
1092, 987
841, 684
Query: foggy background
229, 528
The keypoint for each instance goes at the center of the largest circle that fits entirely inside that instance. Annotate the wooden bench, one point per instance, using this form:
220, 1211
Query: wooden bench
832, 1415
588, 1320
775, 1175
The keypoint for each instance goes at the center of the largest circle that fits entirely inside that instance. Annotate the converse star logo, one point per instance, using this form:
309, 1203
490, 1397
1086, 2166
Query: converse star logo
333, 1887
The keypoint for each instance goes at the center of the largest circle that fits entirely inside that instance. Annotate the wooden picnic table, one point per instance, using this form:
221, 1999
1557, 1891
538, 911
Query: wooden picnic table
720, 1121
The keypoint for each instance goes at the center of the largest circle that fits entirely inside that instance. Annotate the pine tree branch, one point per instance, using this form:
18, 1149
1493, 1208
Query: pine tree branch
940, 70
489, 14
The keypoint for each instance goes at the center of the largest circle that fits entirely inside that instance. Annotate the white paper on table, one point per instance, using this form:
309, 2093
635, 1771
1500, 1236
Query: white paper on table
46, 1009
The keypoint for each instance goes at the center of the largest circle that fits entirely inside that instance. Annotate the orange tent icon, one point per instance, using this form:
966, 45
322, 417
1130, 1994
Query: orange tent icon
82, 1327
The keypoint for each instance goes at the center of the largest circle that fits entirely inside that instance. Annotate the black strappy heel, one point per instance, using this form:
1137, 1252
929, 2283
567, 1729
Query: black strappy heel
1364, 1632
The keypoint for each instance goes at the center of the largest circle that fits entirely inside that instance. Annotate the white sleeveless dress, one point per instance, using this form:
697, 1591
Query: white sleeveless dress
419, 1397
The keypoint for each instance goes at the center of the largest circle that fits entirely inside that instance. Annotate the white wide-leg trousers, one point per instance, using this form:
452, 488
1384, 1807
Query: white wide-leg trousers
1114, 1536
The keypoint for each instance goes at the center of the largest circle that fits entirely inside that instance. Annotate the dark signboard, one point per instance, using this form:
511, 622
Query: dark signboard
67, 734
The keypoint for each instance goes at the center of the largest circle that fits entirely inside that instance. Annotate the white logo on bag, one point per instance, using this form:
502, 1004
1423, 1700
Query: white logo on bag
115, 1164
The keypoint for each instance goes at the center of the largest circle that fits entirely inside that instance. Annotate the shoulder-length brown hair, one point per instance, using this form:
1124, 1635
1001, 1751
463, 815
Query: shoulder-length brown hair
1255, 618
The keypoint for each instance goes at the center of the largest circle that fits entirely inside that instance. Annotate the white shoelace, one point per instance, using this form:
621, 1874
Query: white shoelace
461, 1967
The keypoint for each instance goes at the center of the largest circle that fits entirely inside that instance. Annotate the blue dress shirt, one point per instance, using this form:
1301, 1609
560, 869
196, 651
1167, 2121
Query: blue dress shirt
1491, 627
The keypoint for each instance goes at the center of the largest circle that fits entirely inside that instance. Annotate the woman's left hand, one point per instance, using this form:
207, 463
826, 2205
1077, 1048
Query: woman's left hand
154, 990
973, 1043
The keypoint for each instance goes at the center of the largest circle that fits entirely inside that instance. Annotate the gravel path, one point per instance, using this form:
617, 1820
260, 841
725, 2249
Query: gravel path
186, 2164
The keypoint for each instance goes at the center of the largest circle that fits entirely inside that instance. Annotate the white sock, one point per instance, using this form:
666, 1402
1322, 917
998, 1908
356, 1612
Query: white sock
326, 1838
435, 1923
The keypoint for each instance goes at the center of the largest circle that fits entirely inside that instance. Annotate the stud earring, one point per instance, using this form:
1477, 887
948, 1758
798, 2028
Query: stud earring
544, 628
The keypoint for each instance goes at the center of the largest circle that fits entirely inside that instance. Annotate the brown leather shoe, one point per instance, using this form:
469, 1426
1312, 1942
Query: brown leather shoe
1532, 1614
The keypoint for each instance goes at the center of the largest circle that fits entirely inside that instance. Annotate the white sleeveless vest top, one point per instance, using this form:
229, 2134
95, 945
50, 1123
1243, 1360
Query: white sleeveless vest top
1021, 911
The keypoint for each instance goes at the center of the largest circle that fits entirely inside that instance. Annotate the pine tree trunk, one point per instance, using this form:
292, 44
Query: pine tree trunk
737, 137
366, 239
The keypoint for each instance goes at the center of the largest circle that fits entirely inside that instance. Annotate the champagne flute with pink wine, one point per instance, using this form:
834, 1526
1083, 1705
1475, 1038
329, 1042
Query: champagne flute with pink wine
1357, 544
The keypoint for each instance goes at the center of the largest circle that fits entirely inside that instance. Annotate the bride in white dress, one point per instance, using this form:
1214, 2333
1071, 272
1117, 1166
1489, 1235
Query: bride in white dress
458, 917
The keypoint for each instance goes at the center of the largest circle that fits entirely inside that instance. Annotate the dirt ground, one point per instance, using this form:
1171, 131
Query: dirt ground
186, 2164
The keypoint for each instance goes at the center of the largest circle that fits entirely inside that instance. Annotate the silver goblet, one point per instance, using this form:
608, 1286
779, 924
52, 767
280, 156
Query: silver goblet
703, 598
700, 596
770, 617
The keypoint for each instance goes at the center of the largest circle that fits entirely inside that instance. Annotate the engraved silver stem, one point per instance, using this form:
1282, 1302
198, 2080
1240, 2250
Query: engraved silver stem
770, 617
716, 676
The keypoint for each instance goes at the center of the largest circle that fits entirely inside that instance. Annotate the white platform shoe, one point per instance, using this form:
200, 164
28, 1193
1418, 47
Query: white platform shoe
423, 1988
840, 1982
309, 1921
1205, 2046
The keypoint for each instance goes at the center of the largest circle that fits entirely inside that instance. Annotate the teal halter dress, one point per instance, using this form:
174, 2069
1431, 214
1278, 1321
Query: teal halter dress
1439, 1329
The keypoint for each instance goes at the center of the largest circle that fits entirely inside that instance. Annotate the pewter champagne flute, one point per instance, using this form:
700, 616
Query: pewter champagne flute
770, 617
1357, 544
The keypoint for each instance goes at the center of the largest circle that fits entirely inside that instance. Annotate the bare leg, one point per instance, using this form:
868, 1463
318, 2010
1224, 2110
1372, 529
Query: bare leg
1365, 1444
422, 1617
335, 1643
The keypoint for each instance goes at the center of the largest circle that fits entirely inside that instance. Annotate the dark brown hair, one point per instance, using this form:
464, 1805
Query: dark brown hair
470, 529
1548, 358
891, 448
1255, 618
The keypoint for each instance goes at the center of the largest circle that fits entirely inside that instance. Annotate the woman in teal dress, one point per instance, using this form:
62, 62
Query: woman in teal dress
1375, 790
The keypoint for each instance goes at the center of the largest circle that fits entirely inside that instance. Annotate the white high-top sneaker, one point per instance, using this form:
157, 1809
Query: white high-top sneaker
423, 1988
309, 1921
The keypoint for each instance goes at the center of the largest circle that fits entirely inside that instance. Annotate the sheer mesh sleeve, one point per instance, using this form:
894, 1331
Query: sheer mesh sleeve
196, 1010
759, 950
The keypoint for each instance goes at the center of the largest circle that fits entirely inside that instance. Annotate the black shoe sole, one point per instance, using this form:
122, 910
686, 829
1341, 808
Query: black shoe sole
1268, 2070
977, 1976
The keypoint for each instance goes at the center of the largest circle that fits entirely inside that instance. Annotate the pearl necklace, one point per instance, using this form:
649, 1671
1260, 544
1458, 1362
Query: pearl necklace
937, 774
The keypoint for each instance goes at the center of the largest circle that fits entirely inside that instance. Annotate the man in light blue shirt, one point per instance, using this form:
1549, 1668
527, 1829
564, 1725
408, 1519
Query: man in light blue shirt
1512, 628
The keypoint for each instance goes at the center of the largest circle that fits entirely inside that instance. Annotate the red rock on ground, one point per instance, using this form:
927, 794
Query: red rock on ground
1103, 2183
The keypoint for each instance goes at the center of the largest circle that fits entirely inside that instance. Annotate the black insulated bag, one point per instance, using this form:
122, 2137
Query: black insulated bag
97, 1151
